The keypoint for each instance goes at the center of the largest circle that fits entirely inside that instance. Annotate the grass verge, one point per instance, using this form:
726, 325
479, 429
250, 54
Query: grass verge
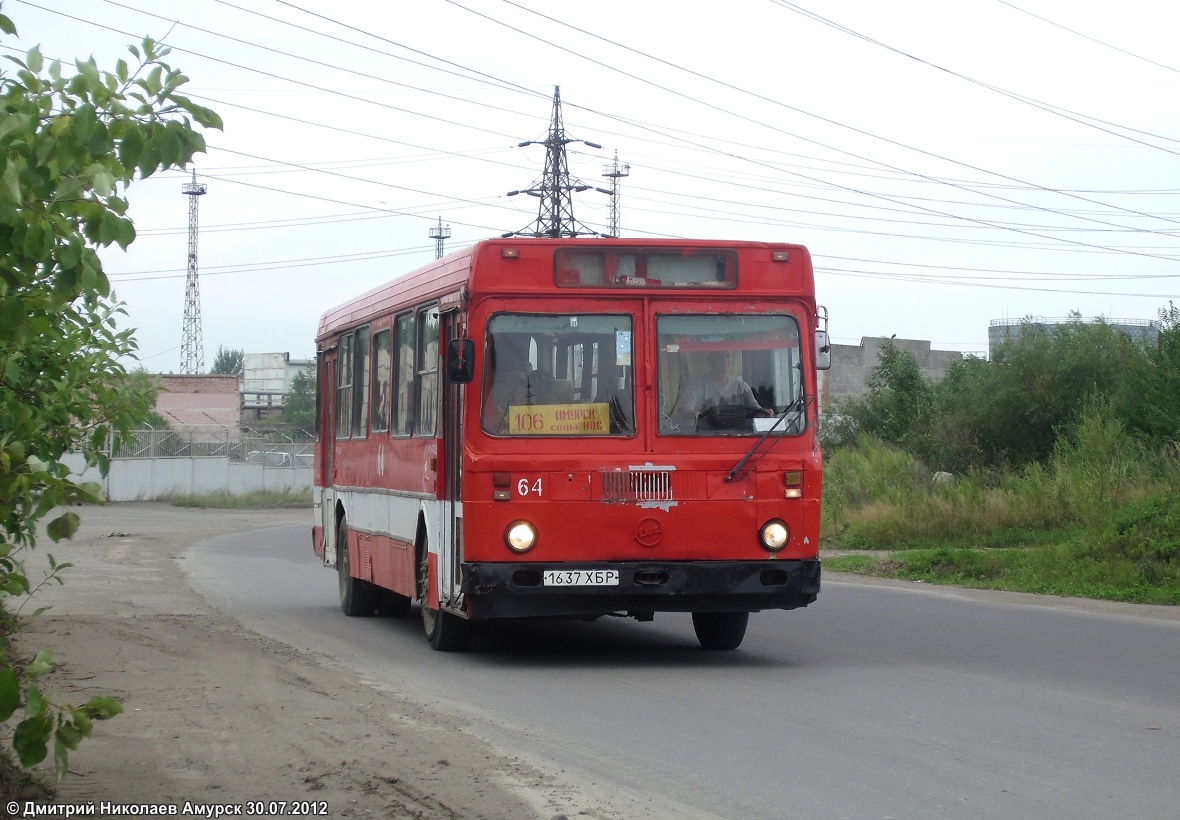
1100, 519
1133, 557
262, 498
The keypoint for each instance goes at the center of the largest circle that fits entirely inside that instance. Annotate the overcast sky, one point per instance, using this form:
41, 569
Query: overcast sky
947, 164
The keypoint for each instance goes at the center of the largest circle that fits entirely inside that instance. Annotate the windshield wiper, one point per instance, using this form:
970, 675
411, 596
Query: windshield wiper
798, 406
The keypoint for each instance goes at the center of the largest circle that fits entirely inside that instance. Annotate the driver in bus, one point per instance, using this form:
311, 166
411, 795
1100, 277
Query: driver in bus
718, 388
514, 382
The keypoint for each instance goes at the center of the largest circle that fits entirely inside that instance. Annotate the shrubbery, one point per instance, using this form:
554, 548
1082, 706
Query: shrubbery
1065, 453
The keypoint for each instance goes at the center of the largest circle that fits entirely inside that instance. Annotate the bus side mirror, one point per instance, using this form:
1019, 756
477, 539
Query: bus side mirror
460, 361
823, 351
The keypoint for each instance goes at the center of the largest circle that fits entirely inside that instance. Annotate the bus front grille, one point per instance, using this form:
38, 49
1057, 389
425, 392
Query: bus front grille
637, 485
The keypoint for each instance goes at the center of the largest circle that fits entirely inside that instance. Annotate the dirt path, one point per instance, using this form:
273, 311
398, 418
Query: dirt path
217, 714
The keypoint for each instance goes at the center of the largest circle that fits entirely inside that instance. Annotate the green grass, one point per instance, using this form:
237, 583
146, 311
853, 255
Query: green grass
261, 498
1135, 558
1087, 524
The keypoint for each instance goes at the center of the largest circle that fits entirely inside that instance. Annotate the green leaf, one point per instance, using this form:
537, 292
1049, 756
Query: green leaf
108, 228
101, 179
61, 756
31, 738
34, 60
41, 664
69, 735
131, 147
15, 121
82, 721
10, 189
102, 707
64, 526
35, 705
91, 493
85, 119
6, 25
9, 693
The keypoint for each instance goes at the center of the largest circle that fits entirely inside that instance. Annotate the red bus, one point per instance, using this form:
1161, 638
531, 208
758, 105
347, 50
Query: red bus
573, 428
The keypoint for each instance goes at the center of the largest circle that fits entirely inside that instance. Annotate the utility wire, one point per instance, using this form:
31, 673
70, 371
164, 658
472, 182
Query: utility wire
780, 104
1073, 116
1088, 37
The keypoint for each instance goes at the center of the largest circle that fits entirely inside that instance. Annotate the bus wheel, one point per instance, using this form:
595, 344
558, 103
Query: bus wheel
720, 630
357, 597
392, 604
445, 631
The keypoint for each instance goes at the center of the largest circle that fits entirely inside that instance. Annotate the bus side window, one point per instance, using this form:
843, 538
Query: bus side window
344, 374
427, 370
381, 373
403, 405
360, 384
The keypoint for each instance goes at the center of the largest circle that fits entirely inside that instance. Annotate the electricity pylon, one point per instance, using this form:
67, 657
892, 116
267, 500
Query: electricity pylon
615, 172
192, 347
440, 235
555, 188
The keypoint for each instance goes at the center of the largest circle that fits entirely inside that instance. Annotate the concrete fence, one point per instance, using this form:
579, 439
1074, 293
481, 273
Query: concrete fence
156, 464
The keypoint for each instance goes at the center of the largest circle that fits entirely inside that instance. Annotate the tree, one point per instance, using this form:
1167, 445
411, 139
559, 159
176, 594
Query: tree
898, 407
1150, 401
1018, 403
299, 405
228, 362
68, 144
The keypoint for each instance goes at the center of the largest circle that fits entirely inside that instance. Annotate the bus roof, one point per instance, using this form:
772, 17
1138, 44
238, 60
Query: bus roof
448, 275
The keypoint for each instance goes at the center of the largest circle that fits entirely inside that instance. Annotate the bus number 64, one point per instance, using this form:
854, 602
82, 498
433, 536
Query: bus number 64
523, 488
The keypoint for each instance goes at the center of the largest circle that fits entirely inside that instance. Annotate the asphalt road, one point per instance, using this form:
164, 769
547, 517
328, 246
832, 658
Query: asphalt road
879, 701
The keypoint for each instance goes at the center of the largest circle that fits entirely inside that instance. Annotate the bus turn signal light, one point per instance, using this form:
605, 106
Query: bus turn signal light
794, 482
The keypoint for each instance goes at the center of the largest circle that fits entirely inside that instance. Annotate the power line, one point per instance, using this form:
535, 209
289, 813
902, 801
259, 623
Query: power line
1088, 37
779, 103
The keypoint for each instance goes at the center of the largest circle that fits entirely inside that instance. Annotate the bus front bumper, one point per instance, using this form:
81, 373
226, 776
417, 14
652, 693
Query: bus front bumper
526, 591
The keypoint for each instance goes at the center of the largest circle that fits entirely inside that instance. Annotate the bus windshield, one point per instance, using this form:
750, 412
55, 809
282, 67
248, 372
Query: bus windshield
724, 375
559, 375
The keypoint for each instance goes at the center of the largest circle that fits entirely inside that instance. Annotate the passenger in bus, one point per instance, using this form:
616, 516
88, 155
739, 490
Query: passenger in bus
717, 388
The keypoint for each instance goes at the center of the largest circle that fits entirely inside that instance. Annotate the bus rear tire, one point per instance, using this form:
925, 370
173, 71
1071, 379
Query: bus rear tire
446, 632
357, 597
720, 630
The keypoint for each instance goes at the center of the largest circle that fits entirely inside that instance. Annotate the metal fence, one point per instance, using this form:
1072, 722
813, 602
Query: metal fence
267, 449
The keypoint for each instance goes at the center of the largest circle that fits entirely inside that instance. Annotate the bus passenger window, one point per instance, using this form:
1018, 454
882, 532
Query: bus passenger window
360, 393
381, 377
344, 388
427, 371
403, 405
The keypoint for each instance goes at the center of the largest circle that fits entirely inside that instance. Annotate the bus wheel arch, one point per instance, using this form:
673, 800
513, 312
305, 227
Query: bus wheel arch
357, 597
445, 631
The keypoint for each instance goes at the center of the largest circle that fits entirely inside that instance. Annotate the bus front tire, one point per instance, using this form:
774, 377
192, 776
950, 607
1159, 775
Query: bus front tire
720, 630
357, 597
446, 631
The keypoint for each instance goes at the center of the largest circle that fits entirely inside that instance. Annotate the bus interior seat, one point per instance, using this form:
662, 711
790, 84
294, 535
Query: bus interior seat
562, 391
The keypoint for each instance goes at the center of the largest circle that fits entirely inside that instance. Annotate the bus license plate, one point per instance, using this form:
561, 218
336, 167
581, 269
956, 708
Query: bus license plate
581, 577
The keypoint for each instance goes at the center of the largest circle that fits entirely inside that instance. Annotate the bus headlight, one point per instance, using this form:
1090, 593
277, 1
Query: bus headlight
774, 535
520, 536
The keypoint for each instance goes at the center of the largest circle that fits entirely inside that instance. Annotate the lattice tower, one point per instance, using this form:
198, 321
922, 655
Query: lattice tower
615, 172
440, 235
192, 346
555, 188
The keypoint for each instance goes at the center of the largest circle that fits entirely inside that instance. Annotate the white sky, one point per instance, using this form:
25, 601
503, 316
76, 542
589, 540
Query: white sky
931, 203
